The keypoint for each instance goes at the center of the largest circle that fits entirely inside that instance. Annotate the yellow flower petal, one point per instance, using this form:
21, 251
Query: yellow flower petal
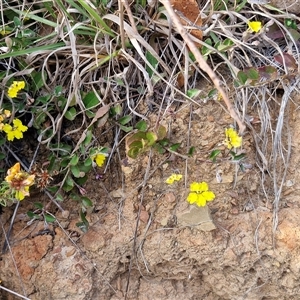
255, 26
194, 187
19, 126
170, 180
15, 169
29, 180
7, 113
200, 194
19, 195
209, 196
203, 186
192, 198
100, 159
15, 87
7, 128
174, 177
201, 201
233, 140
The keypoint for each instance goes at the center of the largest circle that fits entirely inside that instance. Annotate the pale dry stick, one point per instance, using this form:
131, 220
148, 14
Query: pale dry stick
130, 15
122, 31
203, 64
14, 293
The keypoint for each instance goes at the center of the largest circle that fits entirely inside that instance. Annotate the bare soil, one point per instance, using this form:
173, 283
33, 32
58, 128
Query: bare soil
142, 242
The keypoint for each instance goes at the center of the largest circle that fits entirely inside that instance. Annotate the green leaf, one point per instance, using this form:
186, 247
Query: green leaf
32, 215
38, 205
88, 138
84, 168
17, 22
115, 110
2, 141
43, 99
175, 147
82, 226
290, 23
70, 114
136, 137
88, 162
94, 14
126, 128
164, 142
205, 50
226, 45
137, 144
161, 132
38, 80
49, 218
212, 93
141, 125
39, 119
151, 137
252, 73
193, 93
242, 77
134, 152
124, 120
52, 189
87, 202
82, 180
159, 148
153, 62
68, 184
90, 100
59, 197
74, 160
213, 155
191, 151
58, 91
237, 157
2, 155
75, 171
32, 50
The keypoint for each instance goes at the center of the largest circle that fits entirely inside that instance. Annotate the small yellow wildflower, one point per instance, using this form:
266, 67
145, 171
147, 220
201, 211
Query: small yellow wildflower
254, 26
233, 140
19, 181
3, 116
174, 177
200, 194
15, 131
15, 87
7, 113
99, 159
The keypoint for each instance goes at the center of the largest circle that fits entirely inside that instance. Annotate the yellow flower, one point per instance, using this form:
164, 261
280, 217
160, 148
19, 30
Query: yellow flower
254, 26
174, 177
200, 194
99, 159
19, 181
15, 131
233, 140
7, 113
15, 87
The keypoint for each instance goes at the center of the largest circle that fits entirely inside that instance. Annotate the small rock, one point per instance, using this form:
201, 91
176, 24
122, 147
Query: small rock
117, 193
199, 216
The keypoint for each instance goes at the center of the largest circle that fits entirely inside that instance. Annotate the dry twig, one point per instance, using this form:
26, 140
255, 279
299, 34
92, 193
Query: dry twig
202, 63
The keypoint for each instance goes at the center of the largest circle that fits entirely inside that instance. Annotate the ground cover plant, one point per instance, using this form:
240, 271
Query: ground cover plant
81, 79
